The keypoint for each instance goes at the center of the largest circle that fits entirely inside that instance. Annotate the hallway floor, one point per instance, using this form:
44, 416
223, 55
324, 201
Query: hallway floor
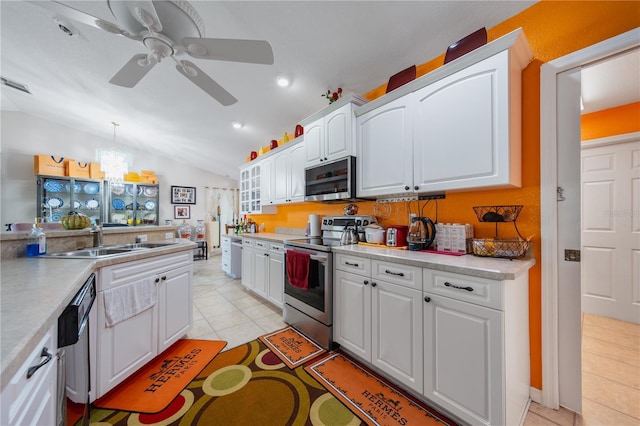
223, 310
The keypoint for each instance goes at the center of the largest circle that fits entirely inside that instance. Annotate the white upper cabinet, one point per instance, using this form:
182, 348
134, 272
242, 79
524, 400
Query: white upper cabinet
456, 128
283, 175
329, 134
384, 164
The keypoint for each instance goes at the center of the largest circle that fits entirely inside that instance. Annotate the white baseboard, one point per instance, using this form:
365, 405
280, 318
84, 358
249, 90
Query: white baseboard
535, 395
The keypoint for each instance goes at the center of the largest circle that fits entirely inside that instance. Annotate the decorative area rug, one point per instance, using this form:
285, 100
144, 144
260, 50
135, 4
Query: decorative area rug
291, 347
153, 387
246, 385
375, 401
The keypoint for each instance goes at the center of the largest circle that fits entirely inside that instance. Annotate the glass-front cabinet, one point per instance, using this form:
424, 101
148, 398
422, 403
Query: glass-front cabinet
133, 203
59, 195
250, 190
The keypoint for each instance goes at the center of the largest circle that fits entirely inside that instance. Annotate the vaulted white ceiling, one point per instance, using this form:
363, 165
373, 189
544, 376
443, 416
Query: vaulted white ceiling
355, 45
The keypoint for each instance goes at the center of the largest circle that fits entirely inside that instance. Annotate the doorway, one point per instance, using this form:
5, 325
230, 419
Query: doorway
561, 313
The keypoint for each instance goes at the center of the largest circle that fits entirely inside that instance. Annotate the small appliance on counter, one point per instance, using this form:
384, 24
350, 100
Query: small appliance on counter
374, 234
397, 235
422, 232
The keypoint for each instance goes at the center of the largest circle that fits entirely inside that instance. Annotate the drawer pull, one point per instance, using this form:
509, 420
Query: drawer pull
32, 370
351, 264
400, 274
448, 284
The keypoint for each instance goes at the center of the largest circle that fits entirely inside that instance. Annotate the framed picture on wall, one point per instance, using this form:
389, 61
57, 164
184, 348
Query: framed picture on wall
182, 212
183, 195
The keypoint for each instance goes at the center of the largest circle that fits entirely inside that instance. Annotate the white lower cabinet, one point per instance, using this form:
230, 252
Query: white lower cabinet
263, 269
248, 262
275, 287
463, 364
128, 345
32, 400
460, 341
476, 346
374, 317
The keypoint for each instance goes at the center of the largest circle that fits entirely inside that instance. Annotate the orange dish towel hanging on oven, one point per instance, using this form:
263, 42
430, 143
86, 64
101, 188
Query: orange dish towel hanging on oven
298, 269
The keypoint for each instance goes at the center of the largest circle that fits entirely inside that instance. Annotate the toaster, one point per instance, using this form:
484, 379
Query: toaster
397, 235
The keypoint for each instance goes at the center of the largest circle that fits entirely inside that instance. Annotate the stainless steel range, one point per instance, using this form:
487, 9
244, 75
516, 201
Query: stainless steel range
308, 279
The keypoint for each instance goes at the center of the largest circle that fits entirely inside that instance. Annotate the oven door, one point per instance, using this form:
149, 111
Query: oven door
316, 301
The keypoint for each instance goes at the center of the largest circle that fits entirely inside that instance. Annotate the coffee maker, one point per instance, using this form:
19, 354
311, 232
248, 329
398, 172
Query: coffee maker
422, 232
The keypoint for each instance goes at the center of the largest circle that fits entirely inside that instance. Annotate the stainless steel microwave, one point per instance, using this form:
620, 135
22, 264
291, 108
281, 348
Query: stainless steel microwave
334, 181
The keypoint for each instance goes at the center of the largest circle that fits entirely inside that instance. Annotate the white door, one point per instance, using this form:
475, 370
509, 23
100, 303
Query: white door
463, 359
569, 331
384, 143
396, 317
352, 313
296, 173
611, 230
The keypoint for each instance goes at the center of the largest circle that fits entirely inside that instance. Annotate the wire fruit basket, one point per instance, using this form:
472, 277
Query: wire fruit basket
500, 247
491, 247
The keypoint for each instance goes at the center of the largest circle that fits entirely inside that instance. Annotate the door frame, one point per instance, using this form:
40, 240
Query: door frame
548, 197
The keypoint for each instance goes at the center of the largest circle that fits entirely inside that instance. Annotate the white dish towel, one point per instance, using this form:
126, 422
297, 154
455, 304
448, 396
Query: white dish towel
126, 301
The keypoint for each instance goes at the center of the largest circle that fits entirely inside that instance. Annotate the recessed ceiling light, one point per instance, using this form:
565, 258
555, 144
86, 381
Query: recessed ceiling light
283, 80
237, 125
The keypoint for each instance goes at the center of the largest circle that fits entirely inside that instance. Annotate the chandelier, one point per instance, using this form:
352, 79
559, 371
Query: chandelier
113, 162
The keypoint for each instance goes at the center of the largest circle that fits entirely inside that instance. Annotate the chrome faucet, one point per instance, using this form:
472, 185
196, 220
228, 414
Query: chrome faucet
96, 230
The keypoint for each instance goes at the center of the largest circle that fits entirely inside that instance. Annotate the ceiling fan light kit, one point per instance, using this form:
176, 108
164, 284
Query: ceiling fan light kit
168, 29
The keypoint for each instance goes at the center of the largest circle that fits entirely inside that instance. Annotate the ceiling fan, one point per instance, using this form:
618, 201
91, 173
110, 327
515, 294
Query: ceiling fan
169, 29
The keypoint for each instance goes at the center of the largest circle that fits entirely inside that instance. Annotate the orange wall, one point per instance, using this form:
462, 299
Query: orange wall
609, 122
553, 29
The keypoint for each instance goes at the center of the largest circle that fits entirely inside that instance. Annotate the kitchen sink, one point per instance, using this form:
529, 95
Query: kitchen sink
92, 252
146, 245
98, 252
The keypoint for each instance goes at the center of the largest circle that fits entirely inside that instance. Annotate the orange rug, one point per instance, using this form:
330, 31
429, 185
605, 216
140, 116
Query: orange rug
154, 386
292, 347
368, 396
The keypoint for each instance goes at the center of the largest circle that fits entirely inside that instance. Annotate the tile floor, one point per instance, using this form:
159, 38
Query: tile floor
223, 310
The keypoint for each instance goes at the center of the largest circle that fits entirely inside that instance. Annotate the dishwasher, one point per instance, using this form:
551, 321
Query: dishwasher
236, 259
74, 380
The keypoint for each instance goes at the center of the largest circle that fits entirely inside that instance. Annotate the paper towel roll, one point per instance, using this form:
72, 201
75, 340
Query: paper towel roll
314, 225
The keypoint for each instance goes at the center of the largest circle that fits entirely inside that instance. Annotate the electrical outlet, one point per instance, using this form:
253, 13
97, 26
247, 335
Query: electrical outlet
141, 238
168, 235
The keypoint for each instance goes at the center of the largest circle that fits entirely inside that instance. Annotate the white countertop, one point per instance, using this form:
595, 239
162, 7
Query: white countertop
485, 267
34, 291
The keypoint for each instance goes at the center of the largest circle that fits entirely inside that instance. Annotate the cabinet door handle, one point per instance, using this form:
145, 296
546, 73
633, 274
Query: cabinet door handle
416, 187
157, 280
351, 264
427, 299
400, 274
373, 284
45, 353
448, 284
406, 188
164, 278
366, 282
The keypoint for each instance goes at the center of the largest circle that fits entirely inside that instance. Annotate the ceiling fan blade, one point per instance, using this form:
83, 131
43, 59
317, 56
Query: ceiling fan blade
145, 13
133, 71
222, 49
78, 16
206, 83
